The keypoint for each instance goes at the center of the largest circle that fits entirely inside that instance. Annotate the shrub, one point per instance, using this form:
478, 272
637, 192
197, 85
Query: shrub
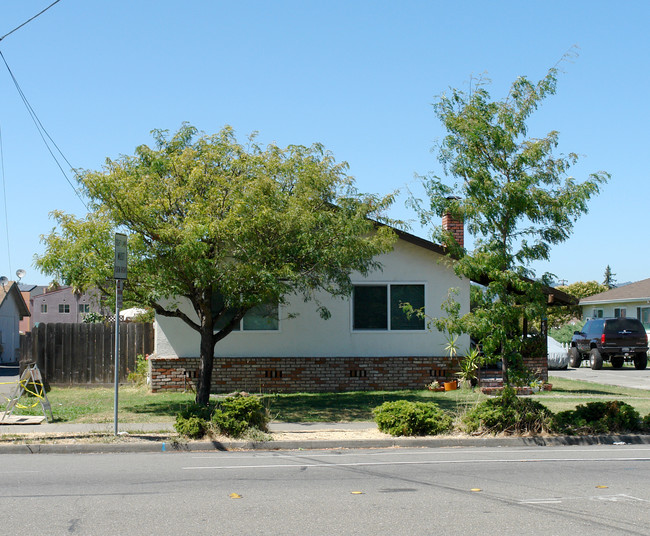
507, 413
193, 421
404, 418
235, 415
192, 427
645, 423
598, 418
139, 375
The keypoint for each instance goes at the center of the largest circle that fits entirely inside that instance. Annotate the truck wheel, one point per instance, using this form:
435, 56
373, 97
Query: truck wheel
617, 361
595, 359
641, 361
574, 357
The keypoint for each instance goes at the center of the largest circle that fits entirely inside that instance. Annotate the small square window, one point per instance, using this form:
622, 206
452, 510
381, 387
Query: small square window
64, 308
43, 308
84, 307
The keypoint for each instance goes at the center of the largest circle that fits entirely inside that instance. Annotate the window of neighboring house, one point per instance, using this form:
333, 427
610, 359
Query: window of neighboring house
43, 308
379, 307
260, 318
64, 308
643, 314
620, 312
84, 307
598, 313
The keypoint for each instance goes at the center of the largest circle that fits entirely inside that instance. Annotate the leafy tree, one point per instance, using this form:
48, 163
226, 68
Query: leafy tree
513, 195
558, 316
609, 280
227, 227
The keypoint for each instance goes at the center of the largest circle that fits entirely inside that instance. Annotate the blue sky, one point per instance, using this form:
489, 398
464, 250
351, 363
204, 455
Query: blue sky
357, 76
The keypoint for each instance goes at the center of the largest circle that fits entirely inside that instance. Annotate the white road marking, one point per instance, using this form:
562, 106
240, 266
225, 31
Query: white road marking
606, 498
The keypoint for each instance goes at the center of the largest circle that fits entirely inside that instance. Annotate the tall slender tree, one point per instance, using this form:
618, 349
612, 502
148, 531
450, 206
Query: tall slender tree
514, 196
609, 280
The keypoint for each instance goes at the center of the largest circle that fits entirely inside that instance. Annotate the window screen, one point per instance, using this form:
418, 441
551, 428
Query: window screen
370, 307
400, 294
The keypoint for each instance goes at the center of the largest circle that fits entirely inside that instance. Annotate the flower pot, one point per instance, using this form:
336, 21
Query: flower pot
451, 386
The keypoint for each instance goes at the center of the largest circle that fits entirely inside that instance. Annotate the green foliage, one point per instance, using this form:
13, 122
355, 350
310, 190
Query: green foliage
559, 316
469, 366
515, 197
235, 415
509, 414
211, 221
139, 375
193, 421
645, 423
609, 280
564, 334
404, 418
598, 418
191, 427
93, 318
145, 318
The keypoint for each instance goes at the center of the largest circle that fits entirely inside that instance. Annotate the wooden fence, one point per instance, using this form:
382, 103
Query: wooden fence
84, 353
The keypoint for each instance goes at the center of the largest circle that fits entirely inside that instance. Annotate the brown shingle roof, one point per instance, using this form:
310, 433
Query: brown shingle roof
634, 291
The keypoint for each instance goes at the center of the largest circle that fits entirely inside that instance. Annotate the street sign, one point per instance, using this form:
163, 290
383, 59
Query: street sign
120, 256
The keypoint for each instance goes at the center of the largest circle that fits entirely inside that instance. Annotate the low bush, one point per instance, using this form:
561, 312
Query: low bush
193, 421
509, 414
235, 415
645, 423
404, 418
598, 418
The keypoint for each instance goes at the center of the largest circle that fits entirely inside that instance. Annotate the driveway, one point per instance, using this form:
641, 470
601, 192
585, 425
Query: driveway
628, 376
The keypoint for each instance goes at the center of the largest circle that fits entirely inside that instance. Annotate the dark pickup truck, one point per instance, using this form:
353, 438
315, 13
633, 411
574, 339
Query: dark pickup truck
616, 340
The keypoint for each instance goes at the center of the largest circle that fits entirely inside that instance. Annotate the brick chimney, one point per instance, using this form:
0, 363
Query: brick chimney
455, 227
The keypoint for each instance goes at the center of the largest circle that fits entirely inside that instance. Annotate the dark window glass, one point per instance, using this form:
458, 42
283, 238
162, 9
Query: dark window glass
217, 306
400, 294
261, 318
370, 307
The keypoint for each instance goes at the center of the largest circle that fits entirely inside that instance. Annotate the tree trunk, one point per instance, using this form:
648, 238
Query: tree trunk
207, 362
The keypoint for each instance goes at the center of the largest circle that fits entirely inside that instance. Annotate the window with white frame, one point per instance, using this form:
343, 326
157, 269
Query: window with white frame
379, 307
598, 313
43, 308
64, 308
84, 307
643, 314
620, 312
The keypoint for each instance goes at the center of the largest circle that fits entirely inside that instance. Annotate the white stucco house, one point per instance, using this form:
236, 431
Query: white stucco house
12, 310
631, 300
368, 343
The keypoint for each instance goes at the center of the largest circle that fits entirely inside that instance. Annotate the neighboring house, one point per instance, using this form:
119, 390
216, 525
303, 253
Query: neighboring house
368, 343
65, 306
12, 309
29, 291
631, 300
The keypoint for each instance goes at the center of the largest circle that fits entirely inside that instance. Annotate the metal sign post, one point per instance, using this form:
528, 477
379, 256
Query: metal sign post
120, 276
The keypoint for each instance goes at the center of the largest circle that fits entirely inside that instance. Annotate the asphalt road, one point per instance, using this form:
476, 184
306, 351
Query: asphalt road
571, 490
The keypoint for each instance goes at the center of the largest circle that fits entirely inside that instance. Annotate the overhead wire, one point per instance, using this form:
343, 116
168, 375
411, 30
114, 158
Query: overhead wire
43, 132
29, 20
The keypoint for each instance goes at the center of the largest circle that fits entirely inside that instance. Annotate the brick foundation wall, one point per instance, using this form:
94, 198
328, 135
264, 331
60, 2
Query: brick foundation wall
305, 374
538, 366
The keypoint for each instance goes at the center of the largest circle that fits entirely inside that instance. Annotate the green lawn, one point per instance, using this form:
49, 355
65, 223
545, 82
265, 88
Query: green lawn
95, 405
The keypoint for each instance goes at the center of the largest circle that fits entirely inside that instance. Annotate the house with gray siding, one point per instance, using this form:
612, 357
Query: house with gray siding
65, 306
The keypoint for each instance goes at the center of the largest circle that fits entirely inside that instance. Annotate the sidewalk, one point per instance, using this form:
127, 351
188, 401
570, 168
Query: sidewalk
160, 437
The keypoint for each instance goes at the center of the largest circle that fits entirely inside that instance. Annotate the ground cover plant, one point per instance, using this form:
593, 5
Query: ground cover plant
613, 416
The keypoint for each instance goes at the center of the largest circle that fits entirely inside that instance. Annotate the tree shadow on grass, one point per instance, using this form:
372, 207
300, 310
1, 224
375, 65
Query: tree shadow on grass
163, 408
342, 407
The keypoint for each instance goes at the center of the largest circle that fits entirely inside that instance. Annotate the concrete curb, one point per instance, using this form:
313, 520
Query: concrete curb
413, 442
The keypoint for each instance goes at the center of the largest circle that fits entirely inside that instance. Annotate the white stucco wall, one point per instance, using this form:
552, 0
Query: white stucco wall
308, 335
